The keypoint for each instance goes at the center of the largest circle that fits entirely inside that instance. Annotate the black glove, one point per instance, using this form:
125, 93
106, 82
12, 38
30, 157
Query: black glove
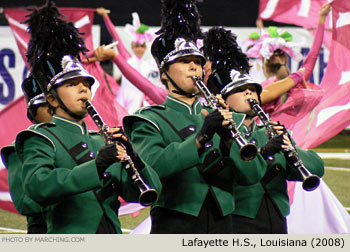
212, 123
273, 146
224, 133
106, 156
139, 165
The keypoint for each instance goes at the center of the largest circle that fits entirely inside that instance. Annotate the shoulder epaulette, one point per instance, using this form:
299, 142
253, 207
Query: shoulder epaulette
25, 133
157, 106
94, 132
5, 152
49, 124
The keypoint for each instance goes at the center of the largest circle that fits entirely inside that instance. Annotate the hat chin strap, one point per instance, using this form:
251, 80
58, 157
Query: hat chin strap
75, 116
179, 90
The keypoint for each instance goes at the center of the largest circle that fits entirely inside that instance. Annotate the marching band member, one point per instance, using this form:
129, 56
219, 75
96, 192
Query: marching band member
262, 207
70, 172
181, 138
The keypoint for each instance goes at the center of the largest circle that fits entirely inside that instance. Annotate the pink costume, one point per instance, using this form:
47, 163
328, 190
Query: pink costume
298, 101
156, 94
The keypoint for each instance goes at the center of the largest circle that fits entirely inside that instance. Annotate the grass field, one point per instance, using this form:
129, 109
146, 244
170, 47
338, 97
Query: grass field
339, 143
337, 181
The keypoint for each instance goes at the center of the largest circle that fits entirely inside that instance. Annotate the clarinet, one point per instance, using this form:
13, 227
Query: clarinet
310, 181
247, 151
148, 196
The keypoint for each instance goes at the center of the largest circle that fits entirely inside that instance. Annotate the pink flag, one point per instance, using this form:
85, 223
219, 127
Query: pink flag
82, 18
104, 99
332, 114
12, 120
298, 12
326, 120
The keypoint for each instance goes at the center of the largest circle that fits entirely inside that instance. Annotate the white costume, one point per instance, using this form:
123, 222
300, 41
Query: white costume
131, 97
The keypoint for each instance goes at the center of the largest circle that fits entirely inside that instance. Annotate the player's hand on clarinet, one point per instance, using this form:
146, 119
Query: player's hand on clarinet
124, 140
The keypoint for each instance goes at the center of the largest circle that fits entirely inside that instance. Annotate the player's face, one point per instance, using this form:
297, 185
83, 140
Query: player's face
73, 94
239, 99
182, 70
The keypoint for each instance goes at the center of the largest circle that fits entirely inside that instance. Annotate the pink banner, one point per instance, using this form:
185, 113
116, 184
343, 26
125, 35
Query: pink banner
298, 12
332, 114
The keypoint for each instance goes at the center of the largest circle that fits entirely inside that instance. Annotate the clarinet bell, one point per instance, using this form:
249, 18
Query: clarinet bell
311, 183
148, 197
248, 152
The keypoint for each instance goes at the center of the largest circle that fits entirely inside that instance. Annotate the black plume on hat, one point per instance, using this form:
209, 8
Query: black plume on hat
52, 38
51, 35
221, 48
180, 28
180, 18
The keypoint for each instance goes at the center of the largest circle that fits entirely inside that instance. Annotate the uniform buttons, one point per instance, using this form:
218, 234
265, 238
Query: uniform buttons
208, 145
92, 155
253, 141
84, 145
192, 128
106, 175
278, 167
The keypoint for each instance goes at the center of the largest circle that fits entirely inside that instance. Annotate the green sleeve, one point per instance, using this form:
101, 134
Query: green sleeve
44, 182
22, 202
165, 159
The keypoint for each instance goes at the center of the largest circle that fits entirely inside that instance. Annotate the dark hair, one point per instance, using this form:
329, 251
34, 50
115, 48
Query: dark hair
276, 68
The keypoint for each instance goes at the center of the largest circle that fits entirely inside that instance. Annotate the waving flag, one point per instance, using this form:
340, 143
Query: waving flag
303, 13
326, 120
332, 114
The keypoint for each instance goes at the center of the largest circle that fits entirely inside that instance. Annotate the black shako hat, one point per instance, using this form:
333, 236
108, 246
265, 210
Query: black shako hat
180, 28
54, 48
33, 95
234, 79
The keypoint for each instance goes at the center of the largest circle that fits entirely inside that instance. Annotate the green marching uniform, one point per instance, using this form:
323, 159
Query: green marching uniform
187, 175
262, 207
273, 185
60, 174
23, 204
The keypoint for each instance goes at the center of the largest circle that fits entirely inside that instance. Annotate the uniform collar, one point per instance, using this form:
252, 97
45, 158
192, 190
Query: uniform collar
183, 107
248, 132
70, 125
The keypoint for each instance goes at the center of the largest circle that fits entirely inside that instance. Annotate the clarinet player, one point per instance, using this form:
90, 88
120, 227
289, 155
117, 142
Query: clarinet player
180, 139
260, 208
67, 169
